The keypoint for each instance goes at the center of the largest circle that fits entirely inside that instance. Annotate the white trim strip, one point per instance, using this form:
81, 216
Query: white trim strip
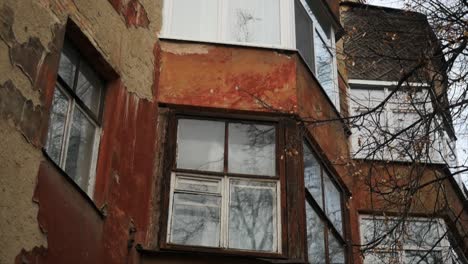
383, 83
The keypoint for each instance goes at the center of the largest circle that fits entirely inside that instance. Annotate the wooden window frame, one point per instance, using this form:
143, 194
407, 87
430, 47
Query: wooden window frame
169, 168
310, 201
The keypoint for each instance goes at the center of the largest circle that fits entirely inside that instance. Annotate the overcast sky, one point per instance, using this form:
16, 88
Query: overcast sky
387, 3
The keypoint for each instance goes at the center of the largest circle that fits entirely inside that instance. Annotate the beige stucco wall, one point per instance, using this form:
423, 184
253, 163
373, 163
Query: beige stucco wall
129, 49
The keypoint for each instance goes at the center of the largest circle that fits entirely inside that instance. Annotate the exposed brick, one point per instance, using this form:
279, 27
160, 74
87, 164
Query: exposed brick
133, 12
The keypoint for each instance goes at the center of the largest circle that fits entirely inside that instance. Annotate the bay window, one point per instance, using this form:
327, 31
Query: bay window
324, 213
305, 25
225, 188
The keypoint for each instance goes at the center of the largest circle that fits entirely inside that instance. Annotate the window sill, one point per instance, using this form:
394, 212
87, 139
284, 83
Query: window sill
204, 252
229, 43
74, 185
396, 160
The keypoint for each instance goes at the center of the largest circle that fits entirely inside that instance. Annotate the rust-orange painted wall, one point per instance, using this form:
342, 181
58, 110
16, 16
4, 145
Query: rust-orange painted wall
239, 78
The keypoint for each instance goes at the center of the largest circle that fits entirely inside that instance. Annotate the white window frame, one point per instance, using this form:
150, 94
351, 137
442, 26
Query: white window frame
331, 49
443, 246
72, 105
287, 35
224, 212
389, 113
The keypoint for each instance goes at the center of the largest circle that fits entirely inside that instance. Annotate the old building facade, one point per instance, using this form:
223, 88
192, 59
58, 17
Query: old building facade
200, 131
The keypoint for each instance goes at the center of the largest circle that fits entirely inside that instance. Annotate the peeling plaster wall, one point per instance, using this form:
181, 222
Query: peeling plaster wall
19, 163
239, 78
124, 32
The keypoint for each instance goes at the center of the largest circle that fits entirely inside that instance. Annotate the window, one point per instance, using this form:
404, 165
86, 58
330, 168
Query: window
397, 130
74, 126
316, 43
406, 241
324, 213
225, 189
260, 22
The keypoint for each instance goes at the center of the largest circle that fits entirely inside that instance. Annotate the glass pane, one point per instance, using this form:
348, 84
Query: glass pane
332, 203
312, 179
382, 258
196, 220
304, 33
200, 145
195, 19
254, 21
336, 250
423, 257
57, 121
89, 87
252, 215
68, 62
378, 232
422, 233
324, 71
198, 185
318, 14
80, 149
252, 149
315, 237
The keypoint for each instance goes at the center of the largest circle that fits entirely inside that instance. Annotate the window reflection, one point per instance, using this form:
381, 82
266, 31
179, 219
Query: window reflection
324, 63
252, 149
57, 121
88, 88
254, 21
80, 144
200, 145
335, 250
315, 237
68, 62
196, 220
252, 215
312, 175
424, 257
332, 203
315, 43
323, 202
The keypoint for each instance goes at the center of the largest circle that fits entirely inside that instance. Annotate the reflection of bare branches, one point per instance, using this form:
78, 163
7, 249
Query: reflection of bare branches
244, 18
196, 222
252, 214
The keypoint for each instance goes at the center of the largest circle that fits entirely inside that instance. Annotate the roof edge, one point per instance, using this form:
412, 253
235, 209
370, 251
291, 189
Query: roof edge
376, 7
